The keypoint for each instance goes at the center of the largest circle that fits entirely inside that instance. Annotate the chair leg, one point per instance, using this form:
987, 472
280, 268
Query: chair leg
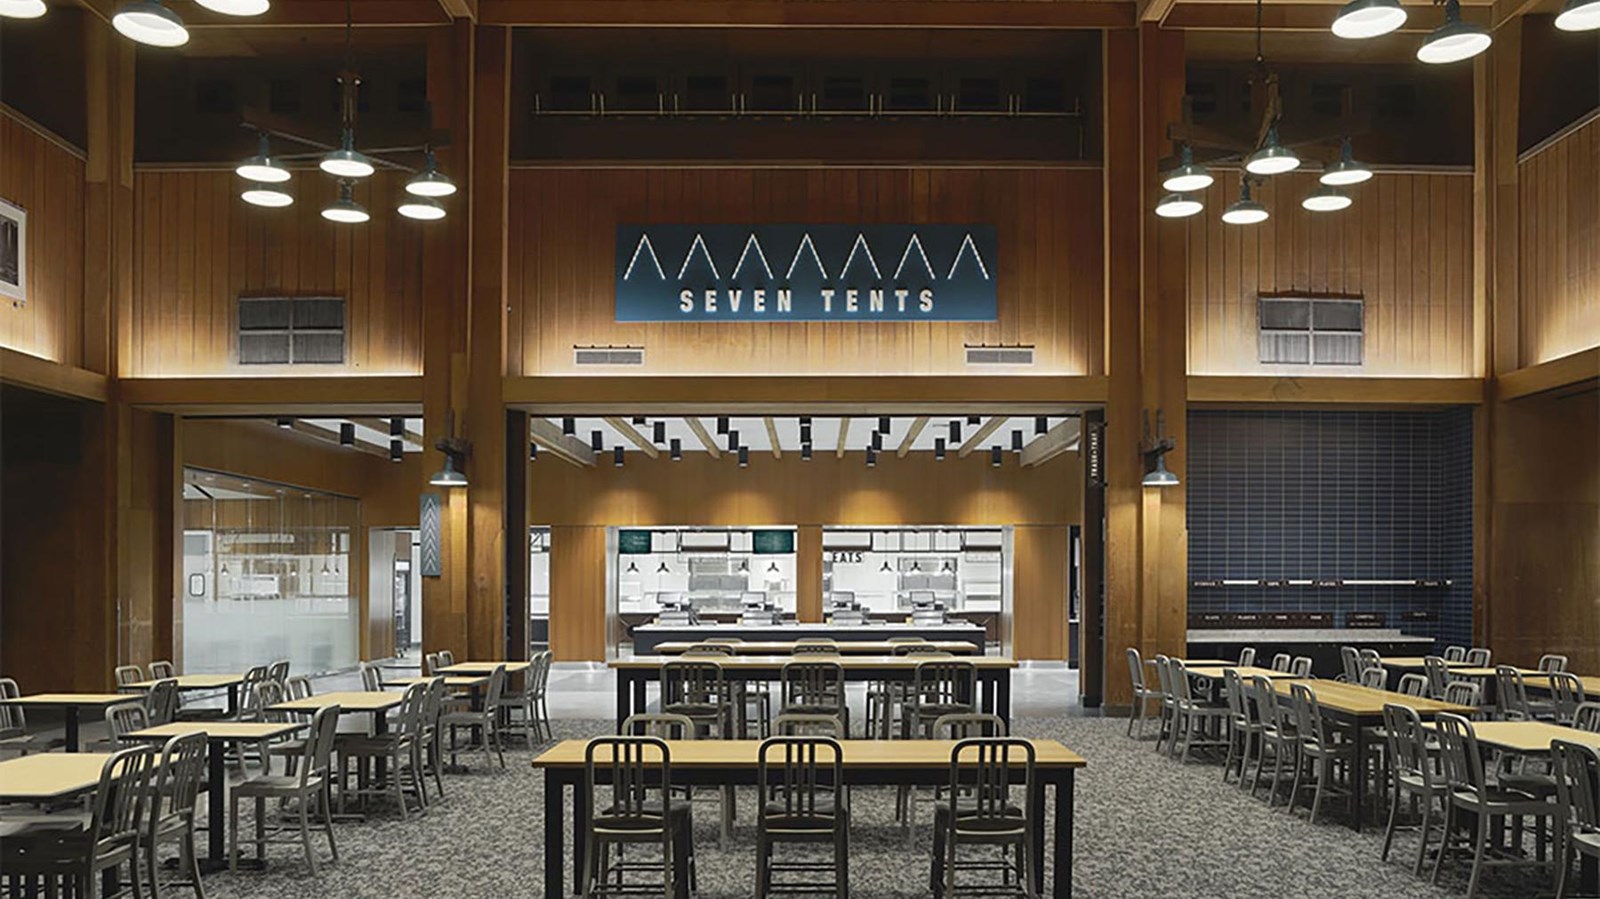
1477, 854
305, 834
193, 860
1563, 867
233, 834
1388, 830
1324, 774
1444, 842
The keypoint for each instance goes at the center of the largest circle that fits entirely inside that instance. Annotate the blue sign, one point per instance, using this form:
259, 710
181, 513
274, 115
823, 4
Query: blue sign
698, 273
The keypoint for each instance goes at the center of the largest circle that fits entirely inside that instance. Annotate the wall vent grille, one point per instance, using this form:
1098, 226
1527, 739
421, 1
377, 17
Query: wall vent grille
610, 355
999, 355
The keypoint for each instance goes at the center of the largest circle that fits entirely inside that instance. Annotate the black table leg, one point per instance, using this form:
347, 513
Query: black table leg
1358, 776
1063, 847
624, 696
380, 724
1588, 874
555, 856
639, 703
1002, 685
1036, 836
233, 700
217, 782
580, 827
72, 728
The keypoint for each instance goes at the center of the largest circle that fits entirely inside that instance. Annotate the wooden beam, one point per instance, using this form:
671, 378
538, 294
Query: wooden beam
844, 434
982, 434
45, 376
1059, 439
991, 14
383, 395
704, 436
1307, 17
460, 9
332, 436
324, 14
567, 448
772, 437
917, 427
1230, 389
1154, 10
1578, 368
1506, 10
381, 425
637, 439
887, 395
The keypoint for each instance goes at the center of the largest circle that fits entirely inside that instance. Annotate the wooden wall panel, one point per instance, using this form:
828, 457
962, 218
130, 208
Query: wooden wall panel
1405, 246
1559, 189
578, 593
1040, 592
198, 247
43, 177
562, 233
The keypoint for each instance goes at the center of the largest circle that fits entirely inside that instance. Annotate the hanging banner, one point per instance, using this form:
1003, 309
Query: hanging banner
701, 273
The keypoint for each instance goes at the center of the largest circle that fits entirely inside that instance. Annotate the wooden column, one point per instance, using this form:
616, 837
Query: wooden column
808, 573
516, 527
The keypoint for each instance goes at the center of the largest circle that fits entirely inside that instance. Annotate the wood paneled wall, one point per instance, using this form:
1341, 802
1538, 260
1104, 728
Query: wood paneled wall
578, 612
563, 231
198, 247
1559, 189
45, 178
1405, 246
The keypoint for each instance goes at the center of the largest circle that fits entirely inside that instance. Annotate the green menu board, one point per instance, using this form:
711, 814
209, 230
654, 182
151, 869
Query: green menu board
772, 542
633, 543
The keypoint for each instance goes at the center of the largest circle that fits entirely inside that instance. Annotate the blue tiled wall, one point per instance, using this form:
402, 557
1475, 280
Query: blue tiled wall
1368, 494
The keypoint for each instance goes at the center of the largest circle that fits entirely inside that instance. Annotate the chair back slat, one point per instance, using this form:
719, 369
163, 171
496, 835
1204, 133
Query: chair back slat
1374, 677
1438, 675
1478, 657
1459, 755
119, 800
1413, 684
1350, 663
1408, 742
1587, 717
124, 718
1550, 663
983, 770
1577, 775
661, 725
812, 684
1566, 691
803, 788
1455, 653
178, 777
1512, 693
1307, 714
1463, 692
967, 725
161, 701
1136, 670
1301, 666
1281, 662
635, 770
1247, 657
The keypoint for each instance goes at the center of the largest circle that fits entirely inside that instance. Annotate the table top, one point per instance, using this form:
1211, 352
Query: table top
786, 647
472, 668
1245, 671
1358, 700
197, 682
857, 754
50, 775
350, 701
218, 731
1530, 736
476, 680
1489, 672
850, 663
85, 700
1415, 662
1591, 684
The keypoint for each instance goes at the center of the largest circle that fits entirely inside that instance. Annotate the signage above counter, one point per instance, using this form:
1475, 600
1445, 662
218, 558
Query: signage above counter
700, 273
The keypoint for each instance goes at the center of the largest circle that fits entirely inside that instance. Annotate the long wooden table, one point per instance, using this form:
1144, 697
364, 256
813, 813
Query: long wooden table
50, 776
192, 682
787, 647
1414, 663
471, 669
993, 676
866, 763
71, 705
1216, 672
1357, 708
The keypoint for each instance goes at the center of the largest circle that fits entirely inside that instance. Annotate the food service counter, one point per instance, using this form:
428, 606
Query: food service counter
647, 636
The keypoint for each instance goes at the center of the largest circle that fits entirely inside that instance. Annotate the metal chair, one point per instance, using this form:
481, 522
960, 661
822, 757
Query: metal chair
1319, 751
939, 687
539, 692
14, 734
310, 788
161, 701
1301, 666
1455, 653
796, 724
1411, 768
1244, 729
1566, 694
430, 663
398, 749
966, 725
1470, 793
630, 804
1512, 694
1577, 769
1374, 678
446, 658
1281, 662
1166, 729
802, 800
107, 839
1463, 692
1412, 684
126, 676
814, 687
278, 671
1277, 734
484, 721
1438, 674
431, 739
125, 718
813, 649
698, 690
162, 670
371, 677
1551, 663
1478, 657
1195, 723
984, 809
1370, 658
658, 725
1247, 657
1143, 695
298, 687
1350, 664
170, 817
1587, 717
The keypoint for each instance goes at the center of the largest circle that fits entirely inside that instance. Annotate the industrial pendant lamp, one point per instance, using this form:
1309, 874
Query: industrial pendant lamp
1245, 210
345, 210
1160, 476
1178, 206
1455, 40
266, 195
422, 209
1579, 15
148, 22
1346, 170
347, 161
21, 9
1187, 177
1326, 199
1272, 159
430, 182
262, 167
1155, 448
1361, 19
236, 7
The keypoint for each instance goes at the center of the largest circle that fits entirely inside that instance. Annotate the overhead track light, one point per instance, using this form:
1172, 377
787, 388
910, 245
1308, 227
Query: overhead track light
1178, 206
722, 425
744, 457
872, 457
1041, 425
1016, 441
1326, 199
286, 423
1187, 177
658, 432
1346, 171
1272, 159
1245, 210
569, 426
267, 195
347, 434
262, 167
955, 432
973, 419
733, 441
597, 442
533, 451
995, 456
677, 450
397, 450
430, 182
617, 455
150, 23
805, 452
1361, 19
938, 449
1579, 15
397, 427
1454, 40
883, 425
345, 210
877, 440
21, 9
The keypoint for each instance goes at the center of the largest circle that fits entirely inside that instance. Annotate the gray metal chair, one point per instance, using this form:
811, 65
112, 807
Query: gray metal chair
76, 854
125, 718
1195, 723
371, 677
796, 724
1350, 665
631, 804
1281, 662
1319, 752
1512, 694
446, 658
1412, 684
161, 701
1143, 694
1587, 717
1277, 735
659, 725
1551, 663
398, 749
698, 690
1566, 694
170, 817
1438, 674
1411, 769
1166, 729
800, 783
432, 735
987, 806
126, 676
1244, 728
1374, 677
483, 722
1455, 653
14, 734
539, 693
1301, 666
162, 670
939, 687
1247, 657
1577, 770
1463, 692
1472, 797
816, 649
278, 671
1478, 657
310, 788
814, 687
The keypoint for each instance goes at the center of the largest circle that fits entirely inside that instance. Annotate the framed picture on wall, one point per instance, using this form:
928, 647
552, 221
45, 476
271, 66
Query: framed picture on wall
13, 253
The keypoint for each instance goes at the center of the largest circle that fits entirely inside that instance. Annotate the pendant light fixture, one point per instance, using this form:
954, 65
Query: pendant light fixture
744, 457
1362, 19
677, 450
995, 456
1245, 210
269, 195
430, 182
347, 161
150, 23
422, 209
872, 458
1155, 449
617, 456
1178, 206
1454, 40
1579, 15
1187, 177
938, 449
236, 7
1326, 199
1272, 159
1346, 170
533, 451
21, 9
345, 210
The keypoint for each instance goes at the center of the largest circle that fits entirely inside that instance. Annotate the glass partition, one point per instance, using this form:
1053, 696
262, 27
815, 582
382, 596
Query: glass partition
267, 576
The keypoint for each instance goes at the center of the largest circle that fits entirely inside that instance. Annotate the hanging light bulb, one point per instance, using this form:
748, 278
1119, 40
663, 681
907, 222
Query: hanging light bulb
1187, 177
345, 210
1245, 210
236, 7
1454, 40
1361, 19
262, 167
422, 209
1272, 159
148, 22
430, 182
1326, 199
1178, 206
21, 9
1579, 15
265, 195
347, 161
1346, 170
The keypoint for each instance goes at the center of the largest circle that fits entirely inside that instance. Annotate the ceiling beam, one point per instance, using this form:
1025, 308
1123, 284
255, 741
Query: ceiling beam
634, 437
1311, 17
460, 9
917, 425
1506, 10
322, 14
772, 437
990, 14
1155, 10
1059, 439
982, 434
844, 434
565, 447
704, 437
381, 425
331, 436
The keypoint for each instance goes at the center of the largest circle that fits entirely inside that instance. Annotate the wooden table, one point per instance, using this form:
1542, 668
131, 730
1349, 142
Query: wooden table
189, 682
374, 702
71, 704
217, 734
457, 682
787, 647
1414, 663
1529, 737
1357, 708
50, 776
993, 676
1246, 672
1591, 684
481, 668
866, 763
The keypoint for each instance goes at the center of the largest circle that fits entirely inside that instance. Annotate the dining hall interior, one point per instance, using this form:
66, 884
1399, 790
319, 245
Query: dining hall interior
891, 448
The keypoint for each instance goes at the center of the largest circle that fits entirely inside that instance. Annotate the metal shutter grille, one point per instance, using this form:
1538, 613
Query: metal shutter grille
263, 314
1285, 347
1336, 349
291, 330
264, 349
318, 349
985, 355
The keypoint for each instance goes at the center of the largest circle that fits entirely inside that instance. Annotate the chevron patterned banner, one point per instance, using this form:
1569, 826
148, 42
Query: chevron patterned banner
700, 273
